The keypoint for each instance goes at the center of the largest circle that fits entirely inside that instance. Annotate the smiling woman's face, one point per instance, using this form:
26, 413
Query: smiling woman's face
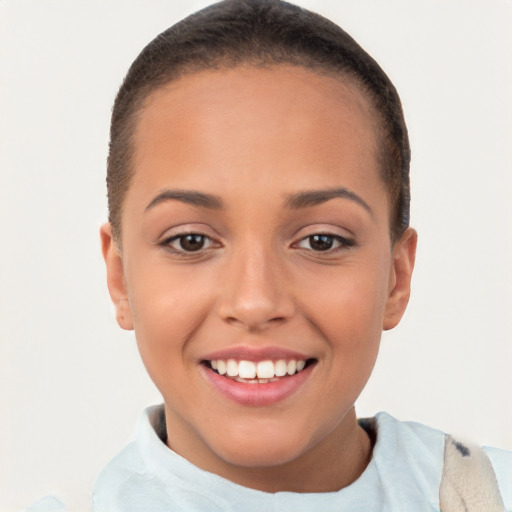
256, 229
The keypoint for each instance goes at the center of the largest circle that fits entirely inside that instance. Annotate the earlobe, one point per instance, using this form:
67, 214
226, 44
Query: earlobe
404, 253
115, 278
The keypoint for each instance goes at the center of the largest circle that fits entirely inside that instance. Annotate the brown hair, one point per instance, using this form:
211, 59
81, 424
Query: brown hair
261, 33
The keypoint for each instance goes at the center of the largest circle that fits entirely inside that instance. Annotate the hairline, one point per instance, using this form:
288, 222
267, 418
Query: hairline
146, 93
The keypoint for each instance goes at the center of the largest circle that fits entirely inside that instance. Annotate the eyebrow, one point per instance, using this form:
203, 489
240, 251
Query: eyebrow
316, 197
294, 201
187, 196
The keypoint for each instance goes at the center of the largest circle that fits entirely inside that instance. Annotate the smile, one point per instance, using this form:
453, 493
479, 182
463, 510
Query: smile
257, 372
257, 378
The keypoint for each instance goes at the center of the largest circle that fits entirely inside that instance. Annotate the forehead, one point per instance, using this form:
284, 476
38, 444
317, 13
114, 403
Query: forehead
276, 88
245, 119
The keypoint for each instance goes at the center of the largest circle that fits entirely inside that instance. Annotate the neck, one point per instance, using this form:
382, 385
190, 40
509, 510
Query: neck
335, 462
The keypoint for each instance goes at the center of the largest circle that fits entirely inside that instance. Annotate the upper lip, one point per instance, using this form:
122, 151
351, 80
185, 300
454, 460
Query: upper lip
247, 353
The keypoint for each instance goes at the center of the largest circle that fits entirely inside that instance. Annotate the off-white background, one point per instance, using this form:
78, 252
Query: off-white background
71, 381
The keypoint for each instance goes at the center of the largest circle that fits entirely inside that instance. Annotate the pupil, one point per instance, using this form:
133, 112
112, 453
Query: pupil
321, 242
192, 242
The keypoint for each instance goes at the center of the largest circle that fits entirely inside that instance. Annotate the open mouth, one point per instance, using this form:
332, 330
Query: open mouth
258, 372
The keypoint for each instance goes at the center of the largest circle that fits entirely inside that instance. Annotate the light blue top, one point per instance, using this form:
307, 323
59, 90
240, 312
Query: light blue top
404, 474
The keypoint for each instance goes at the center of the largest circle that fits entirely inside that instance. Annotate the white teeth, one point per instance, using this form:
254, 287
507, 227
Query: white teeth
247, 370
232, 368
221, 366
246, 381
265, 370
260, 372
281, 368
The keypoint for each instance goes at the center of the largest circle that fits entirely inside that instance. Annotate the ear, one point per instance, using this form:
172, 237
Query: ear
115, 278
404, 254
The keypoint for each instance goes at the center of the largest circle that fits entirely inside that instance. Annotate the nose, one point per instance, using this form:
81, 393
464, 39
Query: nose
254, 295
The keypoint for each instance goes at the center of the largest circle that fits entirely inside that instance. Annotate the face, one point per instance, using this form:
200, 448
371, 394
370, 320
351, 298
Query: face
256, 264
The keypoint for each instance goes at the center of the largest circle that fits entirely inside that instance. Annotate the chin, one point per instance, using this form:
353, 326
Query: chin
258, 450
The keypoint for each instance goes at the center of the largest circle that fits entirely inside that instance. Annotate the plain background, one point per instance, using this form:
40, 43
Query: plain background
71, 381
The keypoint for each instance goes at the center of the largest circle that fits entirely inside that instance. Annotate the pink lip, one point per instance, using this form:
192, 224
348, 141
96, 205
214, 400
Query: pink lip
255, 354
257, 394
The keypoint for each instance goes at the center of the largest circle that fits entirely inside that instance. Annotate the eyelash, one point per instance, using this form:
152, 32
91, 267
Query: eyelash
181, 251
330, 238
343, 243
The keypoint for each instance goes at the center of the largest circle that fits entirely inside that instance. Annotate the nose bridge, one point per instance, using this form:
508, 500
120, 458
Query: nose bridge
255, 295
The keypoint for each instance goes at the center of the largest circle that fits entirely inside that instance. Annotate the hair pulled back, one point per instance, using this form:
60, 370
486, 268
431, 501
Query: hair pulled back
261, 33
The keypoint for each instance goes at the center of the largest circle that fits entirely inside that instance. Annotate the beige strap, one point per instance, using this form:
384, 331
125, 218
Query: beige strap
468, 483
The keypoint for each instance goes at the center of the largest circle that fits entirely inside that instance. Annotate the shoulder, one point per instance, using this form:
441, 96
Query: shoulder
116, 479
419, 450
501, 461
408, 457
410, 439
146, 475
120, 485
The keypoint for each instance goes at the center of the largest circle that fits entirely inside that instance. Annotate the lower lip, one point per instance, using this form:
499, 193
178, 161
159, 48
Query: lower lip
257, 395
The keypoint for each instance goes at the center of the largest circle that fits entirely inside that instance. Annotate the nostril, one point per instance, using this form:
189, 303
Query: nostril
254, 302
254, 322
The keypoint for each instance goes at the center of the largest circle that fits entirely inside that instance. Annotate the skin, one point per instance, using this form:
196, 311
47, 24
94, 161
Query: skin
253, 138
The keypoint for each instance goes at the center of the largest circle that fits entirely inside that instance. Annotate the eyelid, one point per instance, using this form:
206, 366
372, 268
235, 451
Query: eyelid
176, 233
173, 238
184, 229
344, 241
324, 229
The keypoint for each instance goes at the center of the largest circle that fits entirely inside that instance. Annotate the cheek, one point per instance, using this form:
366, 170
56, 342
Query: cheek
351, 304
167, 308
349, 312
166, 296
351, 325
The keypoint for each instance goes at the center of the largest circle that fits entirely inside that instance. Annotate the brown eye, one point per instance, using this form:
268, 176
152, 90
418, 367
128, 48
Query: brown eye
321, 242
188, 243
192, 242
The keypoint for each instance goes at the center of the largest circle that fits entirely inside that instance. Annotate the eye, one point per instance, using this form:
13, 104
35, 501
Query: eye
322, 242
189, 242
